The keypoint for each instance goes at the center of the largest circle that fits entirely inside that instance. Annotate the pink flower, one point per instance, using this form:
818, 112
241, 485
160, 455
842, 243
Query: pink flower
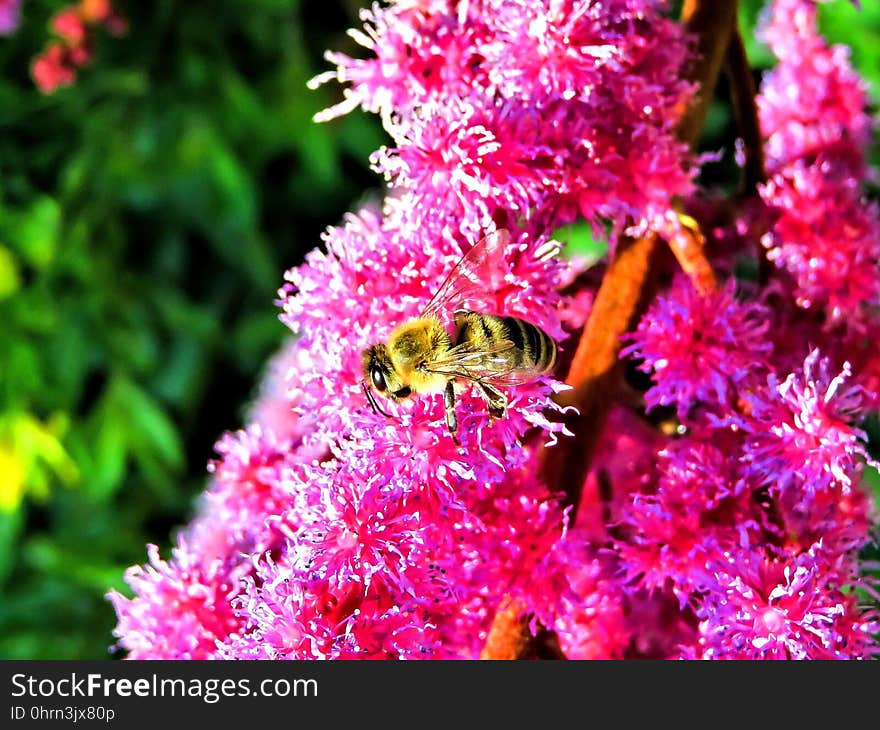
470, 159
181, 608
69, 25
9, 10
701, 505
589, 615
813, 99
599, 614
546, 110
789, 608
54, 68
803, 430
365, 295
250, 488
407, 540
700, 348
813, 114
290, 621
75, 26
826, 237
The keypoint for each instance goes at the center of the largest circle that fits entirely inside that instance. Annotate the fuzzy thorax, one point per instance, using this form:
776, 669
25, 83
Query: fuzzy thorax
402, 360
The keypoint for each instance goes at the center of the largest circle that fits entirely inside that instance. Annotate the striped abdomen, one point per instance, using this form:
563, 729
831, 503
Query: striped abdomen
533, 350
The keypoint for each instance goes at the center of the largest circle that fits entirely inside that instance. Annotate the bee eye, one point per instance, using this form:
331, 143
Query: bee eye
378, 380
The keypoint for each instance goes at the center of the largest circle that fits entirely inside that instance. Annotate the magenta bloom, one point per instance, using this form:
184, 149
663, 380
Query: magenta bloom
700, 348
9, 10
72, 48
712, 494
804, 433
826, 237
700, 506
765, 608
546, 110
813, 99
398, 540
813, 116
251, 484
182, 608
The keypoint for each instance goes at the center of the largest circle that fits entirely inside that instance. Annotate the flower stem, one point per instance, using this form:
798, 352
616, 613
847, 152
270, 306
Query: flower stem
623, 296
689, 247
712, 23
594, 371
743, 92
743, 96
510, 638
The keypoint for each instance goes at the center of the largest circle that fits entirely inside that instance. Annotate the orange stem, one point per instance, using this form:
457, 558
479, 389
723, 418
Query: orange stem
689, 248
594, 371
510, 638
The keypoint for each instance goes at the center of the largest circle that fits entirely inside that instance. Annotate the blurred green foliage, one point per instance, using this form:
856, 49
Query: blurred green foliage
146, 216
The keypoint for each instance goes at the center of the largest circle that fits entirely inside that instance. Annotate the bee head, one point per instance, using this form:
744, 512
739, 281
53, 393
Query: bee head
377, 371
377, 367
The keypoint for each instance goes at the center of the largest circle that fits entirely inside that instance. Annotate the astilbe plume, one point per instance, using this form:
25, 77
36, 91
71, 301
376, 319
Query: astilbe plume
758, 607
544, 110
758, 513
813, 114
183, 606
701, 348
720, 519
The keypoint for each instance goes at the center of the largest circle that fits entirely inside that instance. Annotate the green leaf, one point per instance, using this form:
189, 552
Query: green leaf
152, 433
34, 232
871, 478
10, 528
758, 53
10, 280
107, 456
129, 423
31, 454
859, 29
581, 241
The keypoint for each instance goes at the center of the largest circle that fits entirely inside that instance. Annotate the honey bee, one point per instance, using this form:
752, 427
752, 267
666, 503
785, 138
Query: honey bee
421, 356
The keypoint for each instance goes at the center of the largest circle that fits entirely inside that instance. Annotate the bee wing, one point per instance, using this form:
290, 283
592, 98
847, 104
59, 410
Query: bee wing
515, 376
482, 364
472, 277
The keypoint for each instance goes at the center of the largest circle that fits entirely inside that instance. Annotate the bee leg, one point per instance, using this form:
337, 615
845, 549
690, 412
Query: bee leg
449, 402
496, 399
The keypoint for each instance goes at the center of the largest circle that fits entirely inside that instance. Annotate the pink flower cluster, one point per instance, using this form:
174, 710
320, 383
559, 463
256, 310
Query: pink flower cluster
756, 515
74, 28
723, 523
546, 110
359, 535
813, 111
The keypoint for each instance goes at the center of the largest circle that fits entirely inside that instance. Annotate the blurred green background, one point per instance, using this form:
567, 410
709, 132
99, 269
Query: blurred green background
147, 214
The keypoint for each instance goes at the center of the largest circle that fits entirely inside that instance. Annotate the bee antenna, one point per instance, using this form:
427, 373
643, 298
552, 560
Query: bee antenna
371, 399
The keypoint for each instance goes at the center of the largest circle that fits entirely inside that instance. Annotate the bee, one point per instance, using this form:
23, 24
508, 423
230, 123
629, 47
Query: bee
422, 356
